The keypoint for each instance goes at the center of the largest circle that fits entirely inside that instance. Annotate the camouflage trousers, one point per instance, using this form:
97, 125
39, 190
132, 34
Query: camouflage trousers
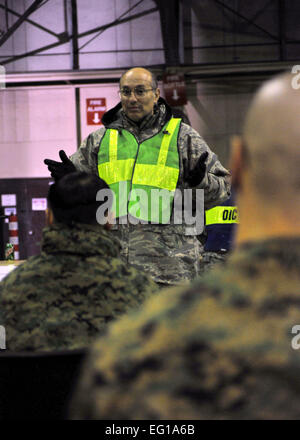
209, 259
162, 251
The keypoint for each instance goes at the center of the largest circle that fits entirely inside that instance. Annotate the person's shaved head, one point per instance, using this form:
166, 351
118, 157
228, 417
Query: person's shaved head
265, 163
147, 74
138, 105
272, 138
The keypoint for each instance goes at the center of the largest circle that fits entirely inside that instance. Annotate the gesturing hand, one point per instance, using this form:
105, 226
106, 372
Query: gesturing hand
60, 169
194, 176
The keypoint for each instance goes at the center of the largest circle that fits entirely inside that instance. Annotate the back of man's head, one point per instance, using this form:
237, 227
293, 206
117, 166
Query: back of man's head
272, 137
265, 163
73, 198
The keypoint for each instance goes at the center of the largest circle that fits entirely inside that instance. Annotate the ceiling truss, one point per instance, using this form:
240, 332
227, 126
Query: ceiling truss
172, 28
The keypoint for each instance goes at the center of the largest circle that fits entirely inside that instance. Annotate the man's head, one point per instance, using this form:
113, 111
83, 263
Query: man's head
138, 92
73, 198
266, 162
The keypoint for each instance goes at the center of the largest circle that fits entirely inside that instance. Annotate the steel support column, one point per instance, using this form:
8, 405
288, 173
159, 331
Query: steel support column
71, 23
188, 40
75, 35
281, 25
169, 19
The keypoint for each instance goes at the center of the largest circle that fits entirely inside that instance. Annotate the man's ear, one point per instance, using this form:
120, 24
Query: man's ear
110, 221
49, 217
157, 95
236, 162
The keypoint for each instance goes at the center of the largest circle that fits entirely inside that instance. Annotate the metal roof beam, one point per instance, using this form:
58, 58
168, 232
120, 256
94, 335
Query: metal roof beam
116, 22
256, 16
192, 72
64, 38
274, 37
29, 21
18, 23
196, 6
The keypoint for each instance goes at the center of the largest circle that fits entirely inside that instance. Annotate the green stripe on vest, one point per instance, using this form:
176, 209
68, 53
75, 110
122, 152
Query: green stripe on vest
141, 168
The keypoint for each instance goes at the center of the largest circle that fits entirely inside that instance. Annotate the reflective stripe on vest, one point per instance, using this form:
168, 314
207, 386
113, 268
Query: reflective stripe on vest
221, 214
129, 167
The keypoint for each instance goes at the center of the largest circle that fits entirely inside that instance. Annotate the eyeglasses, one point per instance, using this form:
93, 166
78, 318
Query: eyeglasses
139, 92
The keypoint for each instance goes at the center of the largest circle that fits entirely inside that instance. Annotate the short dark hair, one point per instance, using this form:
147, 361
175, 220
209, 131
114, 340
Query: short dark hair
73, 197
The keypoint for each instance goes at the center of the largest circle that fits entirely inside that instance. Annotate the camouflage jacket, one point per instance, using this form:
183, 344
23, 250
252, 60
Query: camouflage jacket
216, 183
224, 348
63, 298
158, 249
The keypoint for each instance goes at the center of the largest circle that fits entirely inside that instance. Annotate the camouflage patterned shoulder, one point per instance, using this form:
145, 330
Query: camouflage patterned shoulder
30, 264
62, 301
198, 144
136, 284
232, 329
216, 182
197, 147
86, 157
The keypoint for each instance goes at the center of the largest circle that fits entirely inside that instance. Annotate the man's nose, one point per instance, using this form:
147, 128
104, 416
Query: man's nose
132, 97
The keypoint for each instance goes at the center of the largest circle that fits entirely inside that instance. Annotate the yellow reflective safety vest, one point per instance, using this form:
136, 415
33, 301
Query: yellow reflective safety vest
143, 176
221, 215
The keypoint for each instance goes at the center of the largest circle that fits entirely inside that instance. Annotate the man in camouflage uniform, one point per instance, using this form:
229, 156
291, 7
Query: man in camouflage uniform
168, 252
63, 298
225, 347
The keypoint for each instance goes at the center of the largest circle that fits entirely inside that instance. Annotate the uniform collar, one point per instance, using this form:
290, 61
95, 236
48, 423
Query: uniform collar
284, 250
79, 239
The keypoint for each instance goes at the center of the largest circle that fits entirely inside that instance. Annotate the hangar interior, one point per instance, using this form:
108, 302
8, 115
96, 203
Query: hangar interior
57, 54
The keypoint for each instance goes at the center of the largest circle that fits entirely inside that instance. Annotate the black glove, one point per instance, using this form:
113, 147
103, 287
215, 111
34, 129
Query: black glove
194, 176
60, 169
